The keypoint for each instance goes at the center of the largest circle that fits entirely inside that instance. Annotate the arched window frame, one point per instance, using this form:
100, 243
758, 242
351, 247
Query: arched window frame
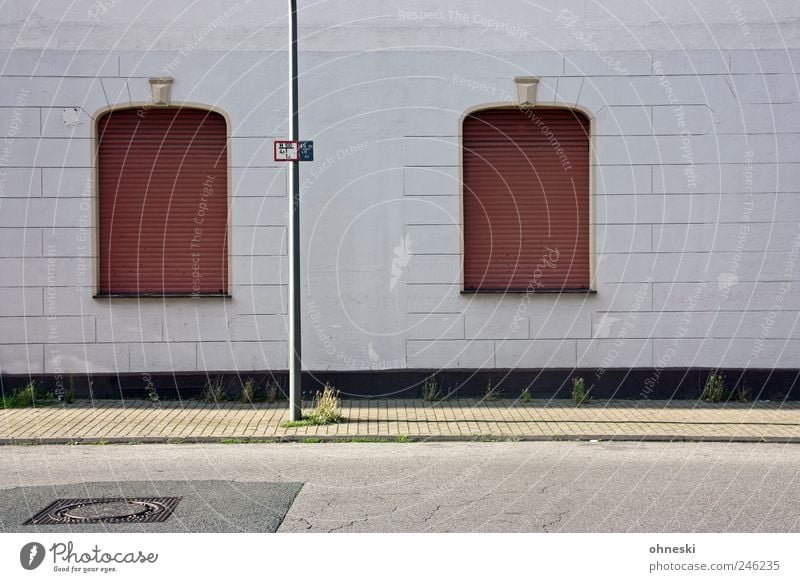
142, 108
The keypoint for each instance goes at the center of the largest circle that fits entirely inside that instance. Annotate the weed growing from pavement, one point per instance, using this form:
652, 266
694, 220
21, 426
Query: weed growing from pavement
25, 398
328, 406
430, 390
69, 393
215, 389
492, 393
526, 395
579, 395
273, 392
20, 398
249, 391
743, 393
714, 390
327, 410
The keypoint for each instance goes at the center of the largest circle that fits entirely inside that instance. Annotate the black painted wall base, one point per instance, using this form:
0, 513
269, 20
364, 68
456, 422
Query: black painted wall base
637, 383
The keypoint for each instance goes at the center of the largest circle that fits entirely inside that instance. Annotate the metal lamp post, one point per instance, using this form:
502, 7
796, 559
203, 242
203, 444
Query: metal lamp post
295, 340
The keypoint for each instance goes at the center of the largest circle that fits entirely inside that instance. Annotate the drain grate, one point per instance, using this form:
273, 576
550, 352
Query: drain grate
106, 510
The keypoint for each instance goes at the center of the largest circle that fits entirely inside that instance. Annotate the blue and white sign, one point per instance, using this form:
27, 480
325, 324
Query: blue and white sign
293, 151
306, 151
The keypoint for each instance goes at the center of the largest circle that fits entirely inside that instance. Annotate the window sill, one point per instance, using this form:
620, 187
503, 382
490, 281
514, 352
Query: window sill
160, 295
527, 291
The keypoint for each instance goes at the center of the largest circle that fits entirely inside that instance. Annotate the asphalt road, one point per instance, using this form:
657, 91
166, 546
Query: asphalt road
202, 506
439, 487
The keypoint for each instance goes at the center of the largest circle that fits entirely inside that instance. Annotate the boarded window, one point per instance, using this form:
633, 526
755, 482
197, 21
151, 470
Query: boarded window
163, 208
526, 200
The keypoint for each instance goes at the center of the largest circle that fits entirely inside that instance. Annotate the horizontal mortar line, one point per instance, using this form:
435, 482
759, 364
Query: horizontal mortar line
720, 311
254, 314
434, 166
677, 310
676, 165
716, 192
669, 193
687, 223
452, 284
61, 78
436, 254
439, 312
258, 255
656, 338
63, 169
257, 167
711, 165
711, 134
700, 254
635, 282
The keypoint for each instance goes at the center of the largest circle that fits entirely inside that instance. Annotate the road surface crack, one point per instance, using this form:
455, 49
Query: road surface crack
559, 516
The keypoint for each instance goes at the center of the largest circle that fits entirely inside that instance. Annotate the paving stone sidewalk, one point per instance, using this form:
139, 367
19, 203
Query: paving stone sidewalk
142, 421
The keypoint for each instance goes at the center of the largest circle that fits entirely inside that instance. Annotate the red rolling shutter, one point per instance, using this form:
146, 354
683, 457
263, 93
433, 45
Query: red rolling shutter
526, 200
163, 202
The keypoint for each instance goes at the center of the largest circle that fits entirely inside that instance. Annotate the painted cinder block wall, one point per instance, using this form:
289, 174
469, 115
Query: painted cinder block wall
696, 195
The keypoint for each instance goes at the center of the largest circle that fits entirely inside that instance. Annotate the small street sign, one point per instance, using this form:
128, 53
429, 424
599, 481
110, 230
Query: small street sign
293, 151
306, 151
285, 150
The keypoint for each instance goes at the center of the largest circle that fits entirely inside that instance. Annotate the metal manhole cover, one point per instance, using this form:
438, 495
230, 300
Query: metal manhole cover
106, 510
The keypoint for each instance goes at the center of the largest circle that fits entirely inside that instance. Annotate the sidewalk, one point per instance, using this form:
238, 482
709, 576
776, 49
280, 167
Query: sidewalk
141, 421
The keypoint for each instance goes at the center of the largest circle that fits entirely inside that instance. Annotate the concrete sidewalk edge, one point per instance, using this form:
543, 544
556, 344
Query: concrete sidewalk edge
312, 439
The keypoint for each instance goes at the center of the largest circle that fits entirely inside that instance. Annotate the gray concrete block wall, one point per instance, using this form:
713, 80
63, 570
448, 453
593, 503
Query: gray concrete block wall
696, 196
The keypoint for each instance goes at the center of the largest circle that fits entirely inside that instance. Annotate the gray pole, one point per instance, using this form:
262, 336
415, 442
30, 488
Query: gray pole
295, 340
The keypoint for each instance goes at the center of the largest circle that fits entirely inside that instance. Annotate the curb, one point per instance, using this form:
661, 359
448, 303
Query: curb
308, 439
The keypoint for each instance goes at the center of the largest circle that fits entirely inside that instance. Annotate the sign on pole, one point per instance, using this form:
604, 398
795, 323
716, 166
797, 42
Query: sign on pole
286, 150
306, 151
